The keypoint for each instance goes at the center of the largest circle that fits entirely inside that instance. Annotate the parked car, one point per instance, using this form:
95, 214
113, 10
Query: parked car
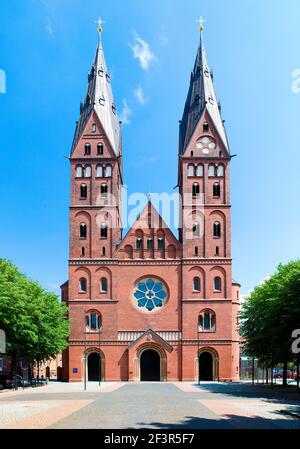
10, 382
290, 374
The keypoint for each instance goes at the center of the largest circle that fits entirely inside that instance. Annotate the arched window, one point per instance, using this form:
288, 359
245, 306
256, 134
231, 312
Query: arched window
160, 243
94, 128
103, 285
88, 172
83, 230
139, 243
211, 170
149, 243
191, 170
99, 171
217, 284
220, 171
217, 229
100, 149
108, 171
93, 322
104, 190
83, 191
217, 190
103, 231
199, 170
205, 127
196, 284
87, 149
196, 229
207, 321
196, 189
79, 171
82, 285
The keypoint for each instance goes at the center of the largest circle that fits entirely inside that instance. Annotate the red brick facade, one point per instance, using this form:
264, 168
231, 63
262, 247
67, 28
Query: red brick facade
195, 325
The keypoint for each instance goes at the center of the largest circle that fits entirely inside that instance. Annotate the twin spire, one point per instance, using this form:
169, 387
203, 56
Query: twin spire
201, 97
99, 99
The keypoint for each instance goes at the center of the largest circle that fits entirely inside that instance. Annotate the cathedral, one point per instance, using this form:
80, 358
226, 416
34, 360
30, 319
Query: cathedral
150, 306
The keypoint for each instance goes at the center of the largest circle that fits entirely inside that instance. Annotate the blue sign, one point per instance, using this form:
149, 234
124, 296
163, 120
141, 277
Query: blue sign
75, 370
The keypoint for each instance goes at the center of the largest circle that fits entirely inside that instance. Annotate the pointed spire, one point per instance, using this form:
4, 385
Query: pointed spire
99, 99
201, 97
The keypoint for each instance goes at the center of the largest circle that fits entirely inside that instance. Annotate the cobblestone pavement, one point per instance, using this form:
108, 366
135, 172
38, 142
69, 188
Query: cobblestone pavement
116, 405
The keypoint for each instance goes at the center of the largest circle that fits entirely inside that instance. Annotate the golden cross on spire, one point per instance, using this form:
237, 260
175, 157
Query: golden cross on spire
201, 21
100, 22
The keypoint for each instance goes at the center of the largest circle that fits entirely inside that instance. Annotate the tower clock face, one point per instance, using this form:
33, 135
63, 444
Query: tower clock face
149, 294
206, 144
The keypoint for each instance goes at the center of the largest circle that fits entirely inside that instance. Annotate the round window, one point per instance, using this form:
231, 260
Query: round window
150, 294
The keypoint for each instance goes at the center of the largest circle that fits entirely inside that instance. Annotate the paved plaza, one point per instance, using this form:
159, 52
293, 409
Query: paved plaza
117, 405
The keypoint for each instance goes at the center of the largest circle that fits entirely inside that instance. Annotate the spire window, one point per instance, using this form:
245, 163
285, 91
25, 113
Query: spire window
83, 231
103, 285
220, 171
191, 170
99, 171
100, 149
82, 285
196, 229
211, 171
108, 171
205, 127
196, 284
87, 149
83, 191
217, 284
103, 231
196, 190
217, 229
217, 190
100, 71
79, 171
139, 243
94, 128
102, 100
87, 172
199, 170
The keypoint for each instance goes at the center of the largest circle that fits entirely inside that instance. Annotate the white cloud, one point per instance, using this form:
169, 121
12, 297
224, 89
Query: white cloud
140, 96
141, 51
49, 28
126, 113
148, 160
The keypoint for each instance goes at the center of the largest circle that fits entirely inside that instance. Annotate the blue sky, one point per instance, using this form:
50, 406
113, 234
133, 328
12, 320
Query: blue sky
47, 48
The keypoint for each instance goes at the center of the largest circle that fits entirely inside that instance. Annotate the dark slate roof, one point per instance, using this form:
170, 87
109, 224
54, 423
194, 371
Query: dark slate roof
201, 96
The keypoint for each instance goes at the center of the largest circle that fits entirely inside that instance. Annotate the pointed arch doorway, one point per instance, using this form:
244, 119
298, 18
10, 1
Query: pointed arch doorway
207, 367
150, 366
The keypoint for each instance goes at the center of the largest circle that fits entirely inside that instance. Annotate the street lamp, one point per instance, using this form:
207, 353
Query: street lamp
84, 358
99, 332
198, 354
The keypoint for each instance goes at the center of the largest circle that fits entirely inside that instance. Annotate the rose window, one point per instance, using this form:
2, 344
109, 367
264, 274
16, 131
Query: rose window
150, 294
206, 144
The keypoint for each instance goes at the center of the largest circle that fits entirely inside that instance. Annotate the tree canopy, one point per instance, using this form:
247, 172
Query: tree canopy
270, 314
34, 320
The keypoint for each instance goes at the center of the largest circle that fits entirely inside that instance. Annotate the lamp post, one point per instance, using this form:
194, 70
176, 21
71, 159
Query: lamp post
84, 332
100, 331
198, 355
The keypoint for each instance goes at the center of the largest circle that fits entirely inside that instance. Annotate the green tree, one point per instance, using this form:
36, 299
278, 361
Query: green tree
34, 320
270, 314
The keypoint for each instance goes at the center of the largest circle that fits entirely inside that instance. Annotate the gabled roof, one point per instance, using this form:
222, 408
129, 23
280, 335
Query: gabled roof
201, 97
156, 220
99, 98
147, 332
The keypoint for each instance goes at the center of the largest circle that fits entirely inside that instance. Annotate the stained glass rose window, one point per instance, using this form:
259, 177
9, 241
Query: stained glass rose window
150, 294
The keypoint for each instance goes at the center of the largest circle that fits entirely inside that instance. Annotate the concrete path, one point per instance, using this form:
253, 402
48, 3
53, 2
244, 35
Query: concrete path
150, 405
